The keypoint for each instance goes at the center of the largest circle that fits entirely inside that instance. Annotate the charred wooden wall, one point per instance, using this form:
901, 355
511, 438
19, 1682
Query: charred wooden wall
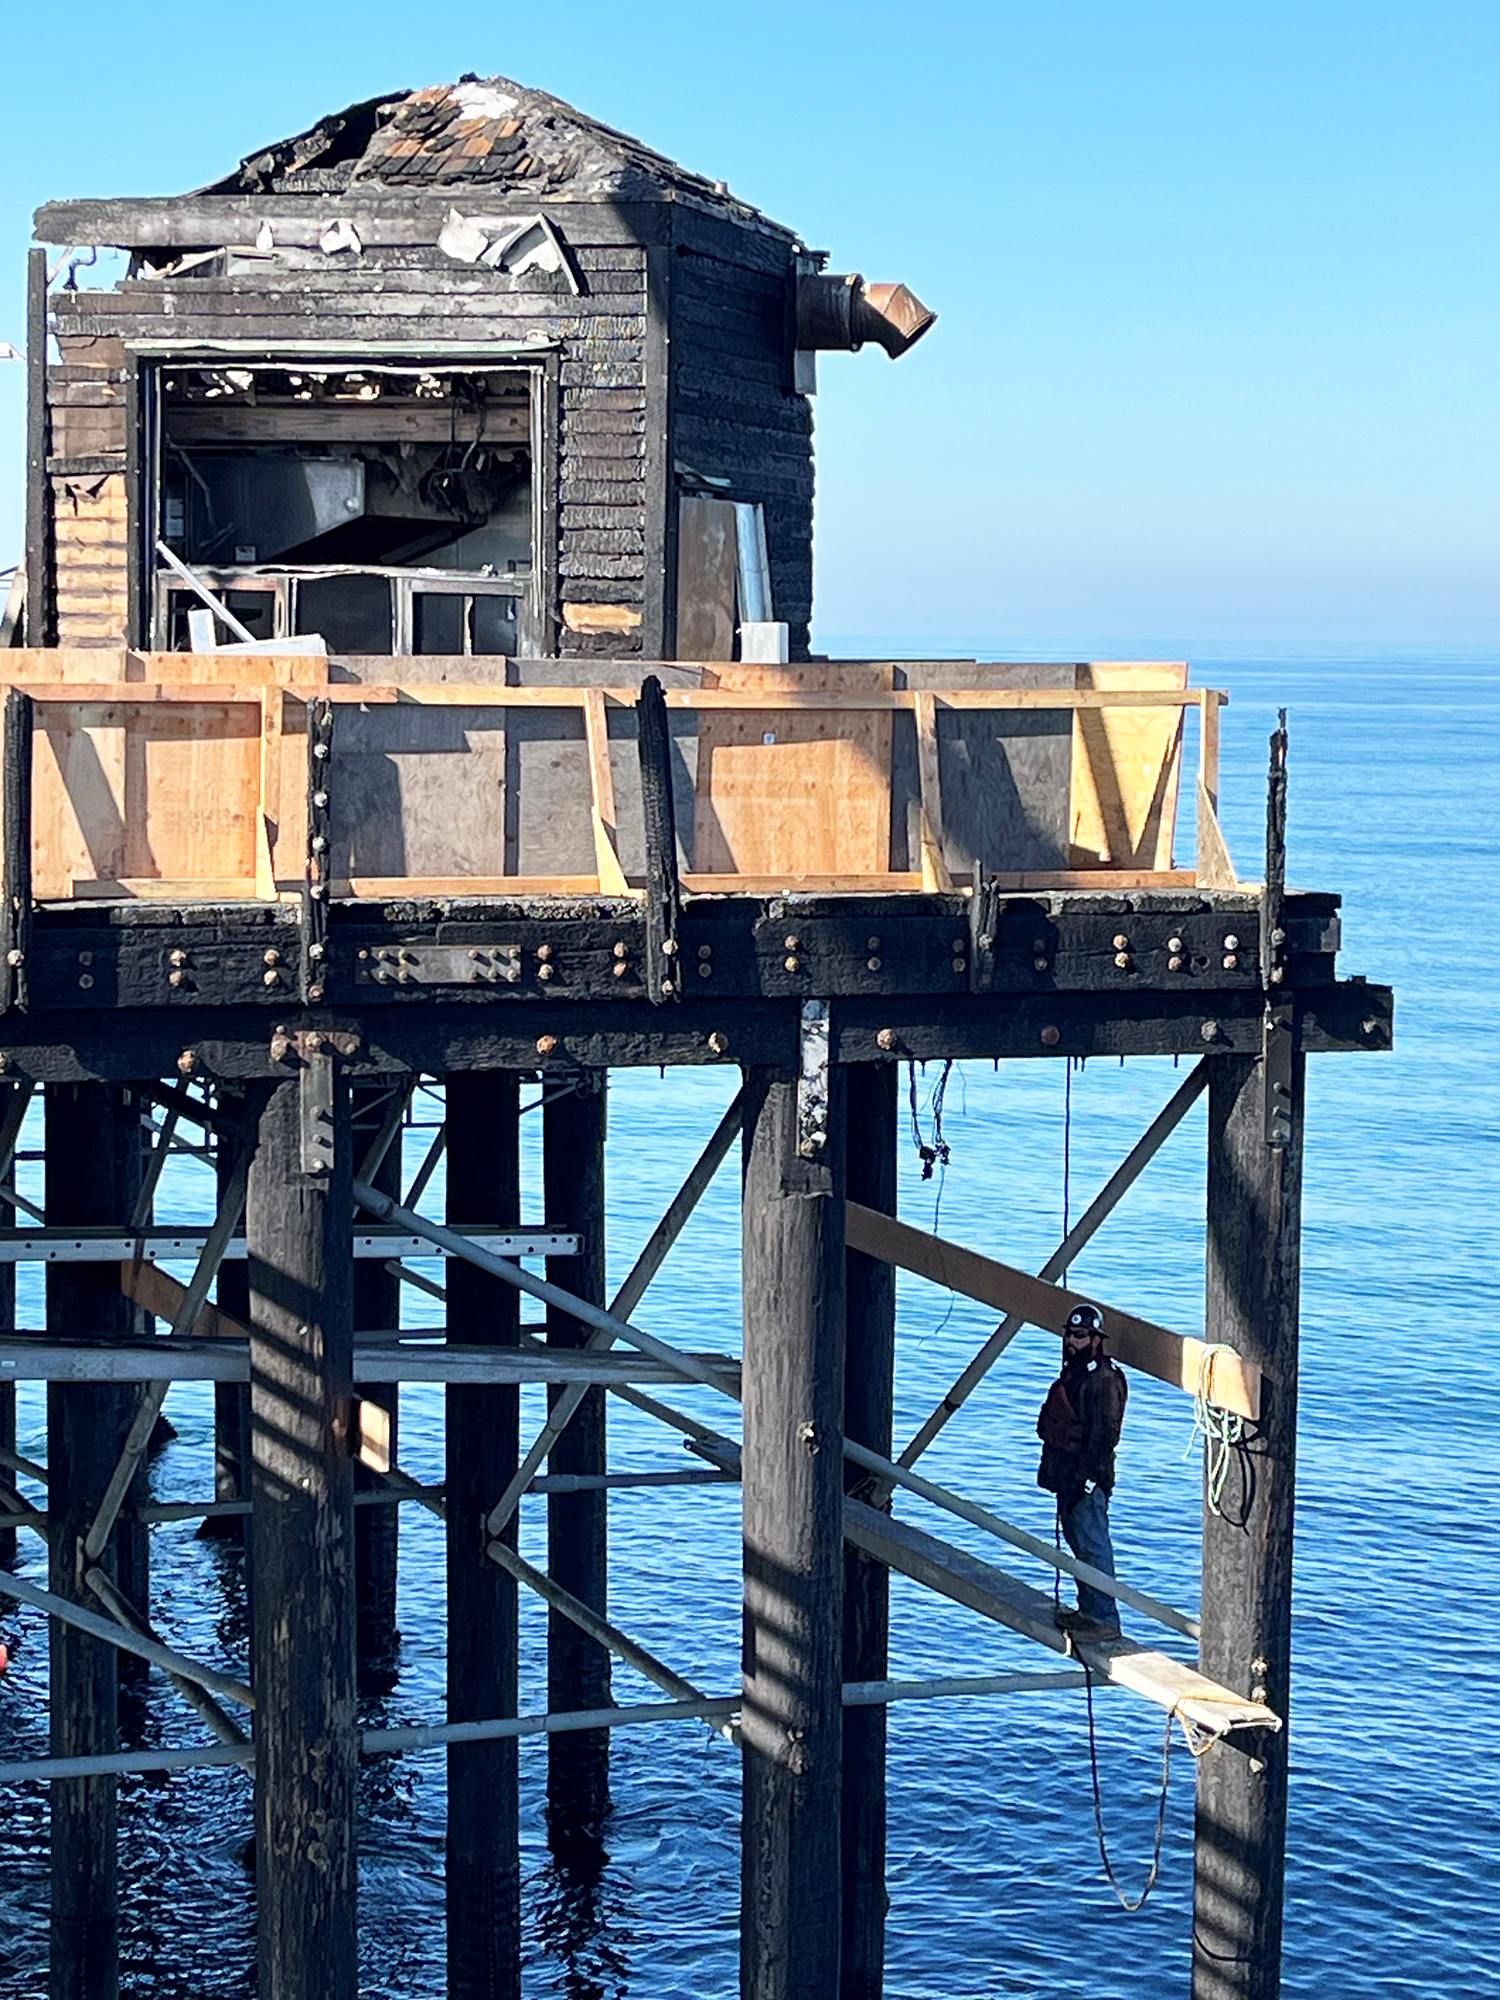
735, 414
677, 351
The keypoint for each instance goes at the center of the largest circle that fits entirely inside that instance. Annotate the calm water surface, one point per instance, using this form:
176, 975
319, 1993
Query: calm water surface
995, 1880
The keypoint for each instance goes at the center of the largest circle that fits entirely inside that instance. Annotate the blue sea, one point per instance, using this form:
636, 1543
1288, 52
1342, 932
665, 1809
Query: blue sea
995, 1879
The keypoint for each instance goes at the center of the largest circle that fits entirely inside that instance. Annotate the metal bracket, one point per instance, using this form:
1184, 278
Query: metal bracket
315, 1111
1278, 1069
812, 1081
316, 880
438, 965
1273, 940
984, 917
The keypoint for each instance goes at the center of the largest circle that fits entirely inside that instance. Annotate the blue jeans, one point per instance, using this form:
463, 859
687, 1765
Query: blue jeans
1085, 1527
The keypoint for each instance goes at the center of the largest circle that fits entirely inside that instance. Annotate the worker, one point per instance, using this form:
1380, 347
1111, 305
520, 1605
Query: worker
1079, 1427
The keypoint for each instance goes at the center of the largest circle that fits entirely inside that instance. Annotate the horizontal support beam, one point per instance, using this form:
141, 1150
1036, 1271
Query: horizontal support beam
419, 1736
493, 1031
610, 1482
106, 1246
1232, 1382
40, 1358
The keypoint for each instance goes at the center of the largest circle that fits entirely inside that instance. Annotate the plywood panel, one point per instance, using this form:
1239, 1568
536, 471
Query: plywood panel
92, 559
1126, 765
783, 791
419, 791
133, 790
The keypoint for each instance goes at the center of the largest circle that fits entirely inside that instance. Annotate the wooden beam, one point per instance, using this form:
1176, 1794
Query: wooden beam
994, 1594
1234, 1384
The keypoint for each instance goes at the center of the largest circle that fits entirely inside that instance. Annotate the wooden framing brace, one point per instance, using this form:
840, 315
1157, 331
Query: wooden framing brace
166, 777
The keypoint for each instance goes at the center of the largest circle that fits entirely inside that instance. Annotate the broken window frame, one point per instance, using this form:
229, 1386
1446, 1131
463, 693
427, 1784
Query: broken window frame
534, 591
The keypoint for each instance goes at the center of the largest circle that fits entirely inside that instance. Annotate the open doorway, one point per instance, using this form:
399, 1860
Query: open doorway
389, 507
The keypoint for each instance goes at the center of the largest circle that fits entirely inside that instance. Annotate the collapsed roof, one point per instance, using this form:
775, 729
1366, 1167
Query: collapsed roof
479, 132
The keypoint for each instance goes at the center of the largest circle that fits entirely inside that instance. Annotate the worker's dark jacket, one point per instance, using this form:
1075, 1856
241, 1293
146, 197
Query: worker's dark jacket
1079, 1427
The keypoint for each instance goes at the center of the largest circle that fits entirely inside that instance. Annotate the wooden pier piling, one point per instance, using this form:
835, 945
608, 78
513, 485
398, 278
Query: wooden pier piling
91, 1175
869, 1363
792, 1468
483, 1856
231, 1399
578, 1667
1254, 1235
377, 1306
299, 1229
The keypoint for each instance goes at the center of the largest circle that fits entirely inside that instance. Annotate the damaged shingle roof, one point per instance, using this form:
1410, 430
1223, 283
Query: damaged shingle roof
479, 133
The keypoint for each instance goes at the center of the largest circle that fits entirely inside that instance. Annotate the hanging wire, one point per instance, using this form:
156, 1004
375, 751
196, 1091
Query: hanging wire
1126, 1902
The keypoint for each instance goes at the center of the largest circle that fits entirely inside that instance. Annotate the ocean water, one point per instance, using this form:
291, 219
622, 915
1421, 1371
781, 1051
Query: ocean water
995, 1880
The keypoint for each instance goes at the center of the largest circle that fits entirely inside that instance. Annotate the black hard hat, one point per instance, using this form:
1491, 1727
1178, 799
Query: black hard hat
1085, 1319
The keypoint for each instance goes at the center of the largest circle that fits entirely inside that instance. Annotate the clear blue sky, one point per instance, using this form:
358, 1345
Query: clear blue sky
1218, 351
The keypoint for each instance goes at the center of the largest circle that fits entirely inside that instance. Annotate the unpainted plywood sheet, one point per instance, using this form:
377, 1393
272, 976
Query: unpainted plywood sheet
786, 791
418, 791
126, 790
1126, 766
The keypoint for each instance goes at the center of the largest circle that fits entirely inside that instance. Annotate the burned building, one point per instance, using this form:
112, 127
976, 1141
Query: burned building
457, 371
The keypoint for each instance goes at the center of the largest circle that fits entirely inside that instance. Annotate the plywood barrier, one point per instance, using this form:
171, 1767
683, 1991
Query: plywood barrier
155, 772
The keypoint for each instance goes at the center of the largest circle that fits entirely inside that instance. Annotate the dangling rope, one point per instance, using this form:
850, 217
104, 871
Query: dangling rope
936, 1152
1222, 1431
1161, 1807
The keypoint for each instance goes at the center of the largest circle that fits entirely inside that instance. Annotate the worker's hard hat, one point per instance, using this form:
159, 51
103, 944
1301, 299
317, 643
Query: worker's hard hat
1085, 1319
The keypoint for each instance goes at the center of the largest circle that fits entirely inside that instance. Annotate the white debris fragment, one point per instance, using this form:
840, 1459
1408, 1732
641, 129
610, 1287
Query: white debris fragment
462, 239
483, 100
340, 235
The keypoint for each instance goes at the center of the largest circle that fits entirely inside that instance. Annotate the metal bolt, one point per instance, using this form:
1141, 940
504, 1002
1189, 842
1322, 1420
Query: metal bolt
669, 946
15, 958
718, 1043
1174, 965
791, 964
315, 993
620, 969
543, 972
187, 1062
477, 956
87, 958
886, 1039
318, 890
314, 1044
621, 949
510, 971
872, 944
1209, 1032
1278, 936
1174, 944
546, 1044
667, 986
1039, 965
790, 943
872, 965
959, 966
1122, 960
960, 944
320, 800
403, 977
270, 958
320, 751
272, 978
4, 1062
1231, 943
1051, 1037
1260, 1668
319, 844
1257, 1765
363, 954
1038, 944
317, 950
544, 952
1370, 1027
1258, 1691
705, 972
86, 979
986, 942
1122, 943
705, 951
1231, 963
1278, 973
